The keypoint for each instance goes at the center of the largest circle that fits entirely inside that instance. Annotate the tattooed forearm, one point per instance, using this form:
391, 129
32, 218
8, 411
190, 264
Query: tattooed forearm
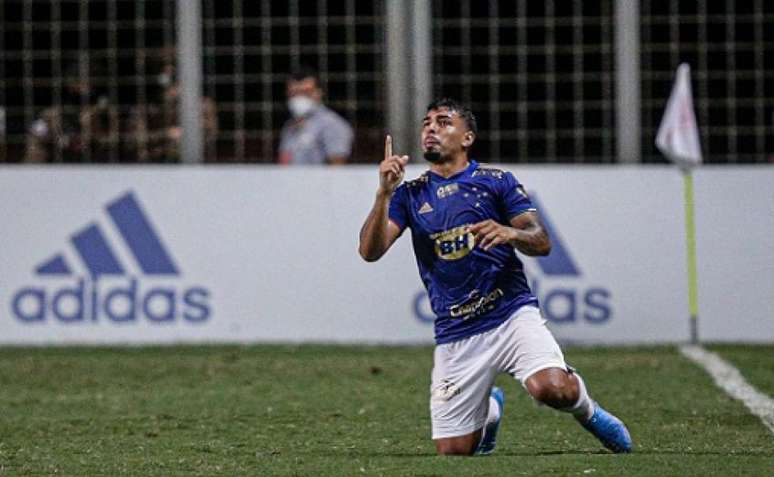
530, 237
532, 242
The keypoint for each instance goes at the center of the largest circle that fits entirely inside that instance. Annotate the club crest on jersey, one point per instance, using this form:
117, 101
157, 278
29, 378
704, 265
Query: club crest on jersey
455, 243
447, 190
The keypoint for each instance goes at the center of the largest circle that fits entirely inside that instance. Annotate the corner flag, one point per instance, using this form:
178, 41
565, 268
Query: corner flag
678, 134
678, 140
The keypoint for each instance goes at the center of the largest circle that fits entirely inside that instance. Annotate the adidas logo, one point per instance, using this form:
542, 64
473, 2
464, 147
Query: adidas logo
100, 259
426, 207
564, 296
559, 262
105, 289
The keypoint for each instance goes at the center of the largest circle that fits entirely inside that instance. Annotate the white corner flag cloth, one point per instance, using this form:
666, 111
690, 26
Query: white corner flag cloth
678, 134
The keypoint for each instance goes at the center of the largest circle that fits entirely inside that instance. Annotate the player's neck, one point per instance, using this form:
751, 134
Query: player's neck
450, 167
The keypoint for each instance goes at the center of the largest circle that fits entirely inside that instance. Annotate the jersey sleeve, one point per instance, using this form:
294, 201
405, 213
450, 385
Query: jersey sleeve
398, 212
515, 198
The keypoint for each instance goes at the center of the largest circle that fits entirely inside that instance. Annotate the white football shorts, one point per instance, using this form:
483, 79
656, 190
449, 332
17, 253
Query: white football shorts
465, 370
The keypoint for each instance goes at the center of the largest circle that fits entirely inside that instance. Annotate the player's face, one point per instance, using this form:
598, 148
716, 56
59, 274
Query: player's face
444, 135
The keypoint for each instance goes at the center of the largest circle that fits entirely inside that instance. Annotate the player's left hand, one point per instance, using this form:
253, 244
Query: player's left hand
490, 233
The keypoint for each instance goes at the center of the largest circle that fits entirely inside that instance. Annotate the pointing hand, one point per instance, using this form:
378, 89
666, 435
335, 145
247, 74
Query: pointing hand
391, 169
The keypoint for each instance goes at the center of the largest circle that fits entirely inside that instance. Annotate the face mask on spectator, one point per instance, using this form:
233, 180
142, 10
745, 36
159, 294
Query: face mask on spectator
164, 80
300, 106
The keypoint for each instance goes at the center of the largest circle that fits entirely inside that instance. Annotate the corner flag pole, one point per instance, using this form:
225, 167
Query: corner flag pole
678, 140
690, 249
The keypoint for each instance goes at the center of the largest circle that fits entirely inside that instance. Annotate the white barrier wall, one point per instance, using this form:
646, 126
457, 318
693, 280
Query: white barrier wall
263, 254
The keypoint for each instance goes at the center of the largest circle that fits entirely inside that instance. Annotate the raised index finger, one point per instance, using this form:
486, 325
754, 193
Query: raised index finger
388, 147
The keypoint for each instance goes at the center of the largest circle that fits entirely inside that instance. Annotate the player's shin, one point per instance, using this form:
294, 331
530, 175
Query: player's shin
583, 408
610, 430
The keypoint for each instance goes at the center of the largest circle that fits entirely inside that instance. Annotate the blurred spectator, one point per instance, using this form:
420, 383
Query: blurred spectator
315, 134
83, 128
154, 130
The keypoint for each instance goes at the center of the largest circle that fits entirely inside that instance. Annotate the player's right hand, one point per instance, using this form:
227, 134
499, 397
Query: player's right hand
391, 169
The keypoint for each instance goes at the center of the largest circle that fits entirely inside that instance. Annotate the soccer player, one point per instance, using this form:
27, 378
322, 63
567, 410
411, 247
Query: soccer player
466, 220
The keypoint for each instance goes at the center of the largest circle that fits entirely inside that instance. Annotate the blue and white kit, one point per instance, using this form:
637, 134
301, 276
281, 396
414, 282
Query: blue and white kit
487, 320
471, 290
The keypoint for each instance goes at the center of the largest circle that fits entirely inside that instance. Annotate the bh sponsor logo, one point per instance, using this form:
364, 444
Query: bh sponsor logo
565, 296
453, 244
102, 289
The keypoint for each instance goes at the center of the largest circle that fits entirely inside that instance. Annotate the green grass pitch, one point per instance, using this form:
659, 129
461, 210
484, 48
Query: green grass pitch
335, 410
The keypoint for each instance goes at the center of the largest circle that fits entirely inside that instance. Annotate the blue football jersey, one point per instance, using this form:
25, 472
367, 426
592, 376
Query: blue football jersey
471, 290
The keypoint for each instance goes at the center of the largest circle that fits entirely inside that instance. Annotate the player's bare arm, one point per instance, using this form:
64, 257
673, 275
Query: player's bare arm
378, 232
525, 233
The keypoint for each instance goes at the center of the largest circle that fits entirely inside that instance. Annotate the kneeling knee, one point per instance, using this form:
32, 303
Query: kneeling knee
453, 451
455, 446
553, 390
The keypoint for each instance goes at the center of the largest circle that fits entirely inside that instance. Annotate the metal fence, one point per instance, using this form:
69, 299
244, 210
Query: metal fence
539, 75
251, 46
730, 46
81, 80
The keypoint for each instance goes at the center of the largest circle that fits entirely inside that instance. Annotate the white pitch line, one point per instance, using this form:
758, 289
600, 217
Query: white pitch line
730, 380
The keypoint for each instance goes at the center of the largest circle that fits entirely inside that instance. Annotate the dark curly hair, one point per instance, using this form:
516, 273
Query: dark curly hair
453, 105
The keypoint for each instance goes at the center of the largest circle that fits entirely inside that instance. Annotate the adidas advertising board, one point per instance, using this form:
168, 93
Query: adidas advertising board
108, 290
92, 255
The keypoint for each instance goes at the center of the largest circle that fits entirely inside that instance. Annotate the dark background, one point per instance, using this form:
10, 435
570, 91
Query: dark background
539, 75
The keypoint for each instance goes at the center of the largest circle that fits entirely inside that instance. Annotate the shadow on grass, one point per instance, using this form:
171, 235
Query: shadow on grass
554, 453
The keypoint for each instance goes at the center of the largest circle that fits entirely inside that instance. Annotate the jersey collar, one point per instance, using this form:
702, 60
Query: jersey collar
467, 171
